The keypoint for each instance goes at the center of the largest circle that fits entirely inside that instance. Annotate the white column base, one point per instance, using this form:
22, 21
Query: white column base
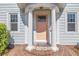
29, 48
55, 48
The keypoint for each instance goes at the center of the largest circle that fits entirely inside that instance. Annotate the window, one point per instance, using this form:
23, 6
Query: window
71, 20
14, 21
41, 18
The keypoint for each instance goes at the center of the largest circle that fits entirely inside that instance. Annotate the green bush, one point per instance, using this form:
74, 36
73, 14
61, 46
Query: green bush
3, 38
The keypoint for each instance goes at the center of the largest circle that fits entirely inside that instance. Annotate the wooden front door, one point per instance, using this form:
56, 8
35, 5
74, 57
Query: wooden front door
42, 27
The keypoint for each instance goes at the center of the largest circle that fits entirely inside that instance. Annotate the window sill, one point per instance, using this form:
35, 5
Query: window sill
14, 31
71, 32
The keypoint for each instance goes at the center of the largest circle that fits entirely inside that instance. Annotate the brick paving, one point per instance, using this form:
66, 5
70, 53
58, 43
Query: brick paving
19, 50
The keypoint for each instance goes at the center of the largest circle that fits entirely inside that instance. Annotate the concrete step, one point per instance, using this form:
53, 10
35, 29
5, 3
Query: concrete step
42, 48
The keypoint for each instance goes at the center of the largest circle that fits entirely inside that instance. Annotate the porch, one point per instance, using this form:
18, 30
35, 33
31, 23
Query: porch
44, 17
64, 50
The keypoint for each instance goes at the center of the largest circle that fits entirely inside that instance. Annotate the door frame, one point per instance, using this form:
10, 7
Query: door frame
48, 15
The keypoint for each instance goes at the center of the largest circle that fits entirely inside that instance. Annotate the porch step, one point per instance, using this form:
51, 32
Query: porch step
42, 44
42, 48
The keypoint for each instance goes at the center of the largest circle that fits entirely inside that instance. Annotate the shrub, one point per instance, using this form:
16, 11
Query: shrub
3, 38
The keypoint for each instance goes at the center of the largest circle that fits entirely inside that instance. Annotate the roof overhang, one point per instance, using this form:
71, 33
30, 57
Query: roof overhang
22, 6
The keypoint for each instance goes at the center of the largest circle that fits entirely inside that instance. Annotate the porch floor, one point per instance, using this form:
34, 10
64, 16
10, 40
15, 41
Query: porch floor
64, 50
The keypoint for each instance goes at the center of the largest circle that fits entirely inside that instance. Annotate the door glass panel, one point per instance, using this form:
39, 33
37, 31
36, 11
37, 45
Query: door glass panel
41, 18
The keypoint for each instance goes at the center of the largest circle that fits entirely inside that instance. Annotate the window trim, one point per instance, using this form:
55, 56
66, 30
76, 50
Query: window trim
18, 22
76, 29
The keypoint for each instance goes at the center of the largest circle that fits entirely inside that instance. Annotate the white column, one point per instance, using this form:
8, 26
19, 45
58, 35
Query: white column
54, 47
26, 28
29, 40
26, 34
58, 37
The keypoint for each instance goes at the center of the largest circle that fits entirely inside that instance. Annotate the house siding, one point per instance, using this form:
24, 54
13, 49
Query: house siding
5, 9
69, 38
3, 16
19, 36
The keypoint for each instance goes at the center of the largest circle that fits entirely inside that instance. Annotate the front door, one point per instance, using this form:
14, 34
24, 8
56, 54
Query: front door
41, 24
42, 27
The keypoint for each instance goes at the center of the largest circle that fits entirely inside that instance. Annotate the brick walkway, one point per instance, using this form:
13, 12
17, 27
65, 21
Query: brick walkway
19, 50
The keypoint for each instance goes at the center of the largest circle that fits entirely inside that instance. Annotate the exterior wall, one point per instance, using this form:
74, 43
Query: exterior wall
70, 38
3, 16
18, 37
5, 9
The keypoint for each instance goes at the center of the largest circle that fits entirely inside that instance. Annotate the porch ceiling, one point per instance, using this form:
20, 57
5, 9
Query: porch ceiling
59, 5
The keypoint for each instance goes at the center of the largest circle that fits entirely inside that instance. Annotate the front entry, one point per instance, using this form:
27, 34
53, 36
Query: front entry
41, 27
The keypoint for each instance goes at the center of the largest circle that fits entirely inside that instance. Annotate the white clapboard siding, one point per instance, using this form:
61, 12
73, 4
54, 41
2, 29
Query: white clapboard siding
5, 9
19, 37
3, 17
67, 38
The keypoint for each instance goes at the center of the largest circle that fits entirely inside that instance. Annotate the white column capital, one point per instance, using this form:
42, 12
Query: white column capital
53, 7
27, 10
30, 10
